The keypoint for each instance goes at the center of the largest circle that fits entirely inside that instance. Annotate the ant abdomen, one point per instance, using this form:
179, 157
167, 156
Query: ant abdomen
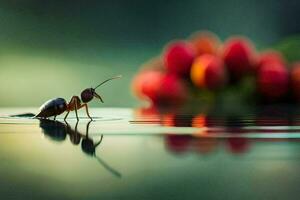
53, 129
52, 107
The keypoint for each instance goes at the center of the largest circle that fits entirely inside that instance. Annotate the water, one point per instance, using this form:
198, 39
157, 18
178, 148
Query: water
141, 154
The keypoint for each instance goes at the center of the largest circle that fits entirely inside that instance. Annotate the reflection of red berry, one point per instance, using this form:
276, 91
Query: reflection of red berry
199, 121
205, 43
179, 57
150, 114
295, 80
177, 143
272, 80
205, 145
208, 72
238, 57
177, 120
238, 145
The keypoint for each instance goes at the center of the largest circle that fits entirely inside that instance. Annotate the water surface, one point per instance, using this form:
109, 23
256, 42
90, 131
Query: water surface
133, 154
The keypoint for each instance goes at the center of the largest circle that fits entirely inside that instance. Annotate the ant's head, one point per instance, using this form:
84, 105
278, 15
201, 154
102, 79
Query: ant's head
88, 94
88, 147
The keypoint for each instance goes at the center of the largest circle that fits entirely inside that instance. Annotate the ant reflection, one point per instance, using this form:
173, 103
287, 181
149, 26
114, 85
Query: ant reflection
58, 131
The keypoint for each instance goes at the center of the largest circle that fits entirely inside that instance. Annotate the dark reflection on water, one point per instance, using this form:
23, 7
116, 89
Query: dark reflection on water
219, 159
270, 120
185, 144
58, 131
216, 130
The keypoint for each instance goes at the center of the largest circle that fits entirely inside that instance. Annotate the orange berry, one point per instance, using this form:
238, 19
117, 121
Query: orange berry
208, 72
205, 43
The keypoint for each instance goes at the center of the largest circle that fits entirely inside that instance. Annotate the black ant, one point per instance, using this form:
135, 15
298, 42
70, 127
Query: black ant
57, 106
58, 131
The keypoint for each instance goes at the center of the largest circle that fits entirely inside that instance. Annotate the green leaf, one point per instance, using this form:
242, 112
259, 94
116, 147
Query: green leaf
290, 48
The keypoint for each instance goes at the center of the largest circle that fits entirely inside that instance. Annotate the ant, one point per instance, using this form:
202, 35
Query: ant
58, 131
57, 106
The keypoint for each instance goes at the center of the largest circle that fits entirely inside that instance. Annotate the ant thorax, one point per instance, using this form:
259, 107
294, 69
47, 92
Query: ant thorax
75, 103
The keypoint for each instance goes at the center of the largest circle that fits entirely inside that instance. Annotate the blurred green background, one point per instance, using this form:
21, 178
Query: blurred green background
57, 48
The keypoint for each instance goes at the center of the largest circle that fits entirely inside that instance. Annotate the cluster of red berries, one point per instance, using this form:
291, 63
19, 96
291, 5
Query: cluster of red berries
204, 63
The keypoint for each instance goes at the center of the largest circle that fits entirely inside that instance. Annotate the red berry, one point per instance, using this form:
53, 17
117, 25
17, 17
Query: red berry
172, 91
269, 57
273, 80
178, 58
295, 80
146, 84
208, 72
238, 57
159, 88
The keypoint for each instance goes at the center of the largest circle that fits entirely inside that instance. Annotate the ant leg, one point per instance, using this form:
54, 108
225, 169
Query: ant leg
87, 111
66, 115
72, 103
76, 127
67, 125
68, 111
87, 128
76, 109
76, 113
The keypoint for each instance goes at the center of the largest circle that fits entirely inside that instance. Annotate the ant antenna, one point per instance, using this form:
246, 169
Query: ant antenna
98, 143
104, 164
107, 81
109, 168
